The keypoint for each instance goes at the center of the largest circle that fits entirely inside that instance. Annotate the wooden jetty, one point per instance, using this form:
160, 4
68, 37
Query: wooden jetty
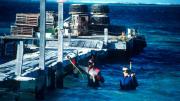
25, 68
46, 67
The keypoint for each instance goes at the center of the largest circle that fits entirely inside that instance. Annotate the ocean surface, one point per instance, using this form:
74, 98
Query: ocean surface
157, 67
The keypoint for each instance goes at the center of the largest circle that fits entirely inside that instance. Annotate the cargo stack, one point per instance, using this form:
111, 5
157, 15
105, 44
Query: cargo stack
99, 17
25, 24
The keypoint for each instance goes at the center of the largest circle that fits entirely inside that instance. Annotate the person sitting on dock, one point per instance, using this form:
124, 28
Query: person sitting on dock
123, 36
94, 75
128, 81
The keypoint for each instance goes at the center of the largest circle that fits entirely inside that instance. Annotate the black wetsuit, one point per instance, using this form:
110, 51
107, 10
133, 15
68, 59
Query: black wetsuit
98, 79
128, 83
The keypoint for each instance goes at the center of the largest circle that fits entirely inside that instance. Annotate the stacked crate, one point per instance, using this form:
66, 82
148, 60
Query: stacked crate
22, 30
25, 24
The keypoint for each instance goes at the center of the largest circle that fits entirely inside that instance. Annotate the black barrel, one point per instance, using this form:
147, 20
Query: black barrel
99, 20
100, 9
78, 9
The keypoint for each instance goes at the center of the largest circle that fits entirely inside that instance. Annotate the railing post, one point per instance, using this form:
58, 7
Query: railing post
69, 39
105, 36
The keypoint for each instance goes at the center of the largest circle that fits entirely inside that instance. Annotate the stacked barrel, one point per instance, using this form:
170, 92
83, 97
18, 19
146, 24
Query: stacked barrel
99, 18
79, 19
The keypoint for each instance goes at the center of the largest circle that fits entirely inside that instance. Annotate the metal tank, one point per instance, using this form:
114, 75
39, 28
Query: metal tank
99, 9
99, 18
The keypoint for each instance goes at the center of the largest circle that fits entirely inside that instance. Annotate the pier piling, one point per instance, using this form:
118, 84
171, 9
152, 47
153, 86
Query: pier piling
41, 80
42, 33
59, 67
59, 76
19, 58
2, 48
40, 85
51, 78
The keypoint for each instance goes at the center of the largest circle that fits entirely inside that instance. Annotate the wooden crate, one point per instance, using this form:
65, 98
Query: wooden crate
22, 31
27, 19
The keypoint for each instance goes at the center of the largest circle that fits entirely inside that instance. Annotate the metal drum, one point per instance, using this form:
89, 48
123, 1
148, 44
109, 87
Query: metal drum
100, 20
99, 9
78, 9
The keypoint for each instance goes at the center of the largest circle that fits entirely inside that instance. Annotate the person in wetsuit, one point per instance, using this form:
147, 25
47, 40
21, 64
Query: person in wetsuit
92, 59
128, 81
94, 75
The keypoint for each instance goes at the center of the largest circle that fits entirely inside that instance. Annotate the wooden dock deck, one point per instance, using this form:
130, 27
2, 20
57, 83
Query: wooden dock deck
30, 60
33, 76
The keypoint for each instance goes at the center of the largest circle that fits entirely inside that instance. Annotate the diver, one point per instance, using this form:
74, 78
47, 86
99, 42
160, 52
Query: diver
92, 58
128, 81
94, 75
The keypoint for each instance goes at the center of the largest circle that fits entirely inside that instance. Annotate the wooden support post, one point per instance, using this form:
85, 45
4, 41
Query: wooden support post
59, 76
59, 68
42, 33
3, 44
15, 49
19, 58
69, 39
105, 36
5, 48
41, 79
60, 31
51, 76
40, 85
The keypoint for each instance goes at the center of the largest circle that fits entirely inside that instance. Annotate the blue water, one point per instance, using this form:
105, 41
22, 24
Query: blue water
157, 67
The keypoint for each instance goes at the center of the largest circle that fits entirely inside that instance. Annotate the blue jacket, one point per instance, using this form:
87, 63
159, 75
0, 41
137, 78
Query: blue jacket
128, 83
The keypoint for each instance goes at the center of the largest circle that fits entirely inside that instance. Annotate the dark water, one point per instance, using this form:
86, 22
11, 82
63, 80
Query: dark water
157, 67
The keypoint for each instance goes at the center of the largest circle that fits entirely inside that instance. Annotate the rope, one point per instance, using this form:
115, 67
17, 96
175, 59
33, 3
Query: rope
77, 68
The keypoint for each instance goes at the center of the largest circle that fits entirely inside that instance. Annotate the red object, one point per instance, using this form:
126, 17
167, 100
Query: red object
97, 70
73, 61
